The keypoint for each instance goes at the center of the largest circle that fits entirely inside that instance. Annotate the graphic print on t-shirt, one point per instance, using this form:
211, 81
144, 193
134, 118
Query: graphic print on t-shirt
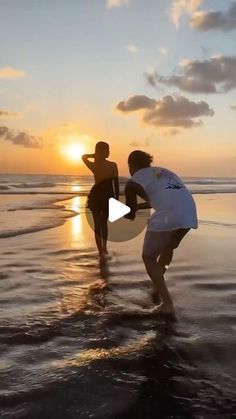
171, 183
170, 199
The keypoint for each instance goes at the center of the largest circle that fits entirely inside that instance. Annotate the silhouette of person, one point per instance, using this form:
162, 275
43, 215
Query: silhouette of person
175, 214
106, 186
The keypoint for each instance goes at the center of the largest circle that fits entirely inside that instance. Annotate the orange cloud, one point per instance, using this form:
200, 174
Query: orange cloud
9, 115
132, 48
116, 3
182, 7
11, 73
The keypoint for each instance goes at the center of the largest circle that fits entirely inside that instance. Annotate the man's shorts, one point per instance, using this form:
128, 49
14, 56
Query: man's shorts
155, 242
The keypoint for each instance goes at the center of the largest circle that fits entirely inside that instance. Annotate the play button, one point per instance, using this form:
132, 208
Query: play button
117, 210
120, 229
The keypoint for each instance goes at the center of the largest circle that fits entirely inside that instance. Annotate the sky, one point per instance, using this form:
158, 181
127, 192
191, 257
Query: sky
159, 76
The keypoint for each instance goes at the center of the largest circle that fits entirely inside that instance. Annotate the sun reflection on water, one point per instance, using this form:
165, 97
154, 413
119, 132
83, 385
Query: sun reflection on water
76, 225
76, 202
85, 357
76, 188
76, 221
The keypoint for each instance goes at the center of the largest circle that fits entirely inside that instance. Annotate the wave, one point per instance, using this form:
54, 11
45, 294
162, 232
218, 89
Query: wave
43, 216
6, 234
218, 223
216, 181
219, 190
44, 202
35, 207
81, 185
34, 185
194, 191
46, 225
51, 193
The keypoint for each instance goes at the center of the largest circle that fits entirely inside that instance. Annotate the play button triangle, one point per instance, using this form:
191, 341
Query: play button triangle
117, 210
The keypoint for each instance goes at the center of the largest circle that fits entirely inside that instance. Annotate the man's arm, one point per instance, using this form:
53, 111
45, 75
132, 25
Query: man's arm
88, 163
144, 205
132, 190
131, 199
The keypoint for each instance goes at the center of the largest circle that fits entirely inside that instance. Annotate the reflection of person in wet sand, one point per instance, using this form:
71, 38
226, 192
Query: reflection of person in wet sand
175, 214
106, 186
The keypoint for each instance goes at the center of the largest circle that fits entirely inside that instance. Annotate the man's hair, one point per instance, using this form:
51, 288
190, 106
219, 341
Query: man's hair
140, 159
102, 149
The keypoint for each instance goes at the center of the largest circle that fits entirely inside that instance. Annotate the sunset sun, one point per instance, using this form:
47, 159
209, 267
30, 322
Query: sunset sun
74, 152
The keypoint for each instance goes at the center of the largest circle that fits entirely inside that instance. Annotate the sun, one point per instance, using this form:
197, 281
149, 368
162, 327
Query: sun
74, 152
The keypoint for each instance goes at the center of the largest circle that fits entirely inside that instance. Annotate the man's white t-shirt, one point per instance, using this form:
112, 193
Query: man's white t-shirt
173, 203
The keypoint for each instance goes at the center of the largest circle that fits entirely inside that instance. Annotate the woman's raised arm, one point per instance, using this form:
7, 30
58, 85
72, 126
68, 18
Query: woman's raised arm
88, 163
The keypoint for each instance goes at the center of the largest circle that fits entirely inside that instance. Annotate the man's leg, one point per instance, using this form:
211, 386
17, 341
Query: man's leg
155, 245
156, 273
161, 244
165, 258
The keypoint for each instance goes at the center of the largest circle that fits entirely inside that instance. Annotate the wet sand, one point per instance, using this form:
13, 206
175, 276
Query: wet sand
74, 342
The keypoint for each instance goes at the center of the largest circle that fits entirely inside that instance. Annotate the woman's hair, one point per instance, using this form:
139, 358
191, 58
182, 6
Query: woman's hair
102, 149
140, 159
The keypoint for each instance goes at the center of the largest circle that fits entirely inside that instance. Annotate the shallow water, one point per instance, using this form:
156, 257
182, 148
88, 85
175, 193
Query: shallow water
75, 341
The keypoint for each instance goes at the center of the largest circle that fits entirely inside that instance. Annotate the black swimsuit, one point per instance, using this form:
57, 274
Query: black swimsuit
98, 199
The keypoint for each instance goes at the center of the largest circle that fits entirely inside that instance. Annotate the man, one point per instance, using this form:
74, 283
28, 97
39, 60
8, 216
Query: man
175, 214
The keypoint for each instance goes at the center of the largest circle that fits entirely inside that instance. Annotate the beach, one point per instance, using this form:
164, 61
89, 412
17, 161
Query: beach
74, 340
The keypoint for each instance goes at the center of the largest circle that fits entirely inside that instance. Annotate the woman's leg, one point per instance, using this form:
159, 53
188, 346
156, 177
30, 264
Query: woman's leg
98, 230
104, 231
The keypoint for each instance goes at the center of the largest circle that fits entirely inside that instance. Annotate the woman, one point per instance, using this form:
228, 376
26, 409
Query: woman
106, 186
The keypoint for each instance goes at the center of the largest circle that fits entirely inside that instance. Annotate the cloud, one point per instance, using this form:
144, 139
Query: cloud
172, 112
163, 51
116, 3
214, 75
177, 111
11, 73
182, 7
172, 131
135, 103
135, 144
152, 77
20, 138
32, 107
211, 20
233, 107
9, 115
144, 143
132, 48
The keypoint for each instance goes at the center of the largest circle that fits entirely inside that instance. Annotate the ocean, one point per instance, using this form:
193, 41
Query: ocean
29, 203
74, 342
